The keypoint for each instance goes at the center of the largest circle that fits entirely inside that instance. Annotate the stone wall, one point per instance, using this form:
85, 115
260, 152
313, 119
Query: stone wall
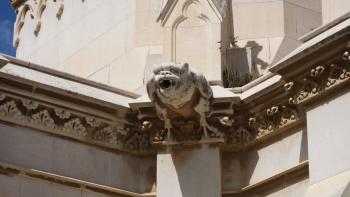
107, 41
36, 150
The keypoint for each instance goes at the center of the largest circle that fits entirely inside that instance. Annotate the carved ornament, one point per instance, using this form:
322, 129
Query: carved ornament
66, 122
319, 79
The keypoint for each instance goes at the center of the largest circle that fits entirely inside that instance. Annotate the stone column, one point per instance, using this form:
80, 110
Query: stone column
189, 172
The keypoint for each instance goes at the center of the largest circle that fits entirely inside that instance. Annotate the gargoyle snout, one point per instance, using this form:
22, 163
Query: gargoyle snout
165, 73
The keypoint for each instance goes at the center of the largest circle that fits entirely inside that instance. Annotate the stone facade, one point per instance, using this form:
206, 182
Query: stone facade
68, 127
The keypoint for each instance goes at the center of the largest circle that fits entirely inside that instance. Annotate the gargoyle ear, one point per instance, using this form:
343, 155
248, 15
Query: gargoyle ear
184, 68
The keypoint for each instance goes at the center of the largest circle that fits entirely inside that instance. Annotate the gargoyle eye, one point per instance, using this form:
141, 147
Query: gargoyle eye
173, 71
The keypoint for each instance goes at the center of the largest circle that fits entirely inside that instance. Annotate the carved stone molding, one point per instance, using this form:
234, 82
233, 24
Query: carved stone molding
240, 133
249, 129
86, 128
319, 79
272, 119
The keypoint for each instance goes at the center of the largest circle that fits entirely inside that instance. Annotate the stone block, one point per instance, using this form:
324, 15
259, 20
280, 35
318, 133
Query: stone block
147, 31
285, 189
48, 54
33, 188
314, 5
81, 161
25, 147
280, 47
332, 9
71, 41
338, 185
102, 18
148, 171
131, 66
265, 19
9, 186
132, 173
190, 173
261, 53
300, 20
259, 164
328, 136
97, 54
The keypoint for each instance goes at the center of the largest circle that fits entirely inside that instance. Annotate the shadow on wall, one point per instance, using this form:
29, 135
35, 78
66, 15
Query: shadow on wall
287, 45
255, 50
238, 169
254, 165
242, 64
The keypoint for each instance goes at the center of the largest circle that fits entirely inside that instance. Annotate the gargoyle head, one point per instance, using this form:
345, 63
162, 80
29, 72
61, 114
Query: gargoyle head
169, 77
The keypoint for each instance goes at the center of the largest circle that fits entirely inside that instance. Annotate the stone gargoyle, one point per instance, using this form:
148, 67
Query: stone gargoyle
179, 93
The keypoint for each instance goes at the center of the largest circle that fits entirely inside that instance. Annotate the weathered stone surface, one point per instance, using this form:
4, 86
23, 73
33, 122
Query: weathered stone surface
25, 147
36, 150
10, 186
327, 138
191, 173
258, 164
33, 188
337, 185
332, 9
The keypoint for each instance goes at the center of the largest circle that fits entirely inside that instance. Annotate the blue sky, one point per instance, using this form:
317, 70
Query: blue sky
7, 18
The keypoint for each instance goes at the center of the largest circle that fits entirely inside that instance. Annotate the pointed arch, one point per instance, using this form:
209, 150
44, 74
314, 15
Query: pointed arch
60, 9
40, 10
20, 22
182, 18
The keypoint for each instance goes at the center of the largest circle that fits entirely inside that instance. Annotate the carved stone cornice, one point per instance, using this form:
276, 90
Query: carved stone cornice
318, 68
27, 112
319, 80
241, 130
68, 113
249, 129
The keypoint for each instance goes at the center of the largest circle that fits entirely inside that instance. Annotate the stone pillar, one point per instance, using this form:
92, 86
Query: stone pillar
190, 172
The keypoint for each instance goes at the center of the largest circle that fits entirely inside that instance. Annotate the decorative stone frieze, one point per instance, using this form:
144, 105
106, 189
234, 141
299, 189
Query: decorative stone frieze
75, 126
30, 104
43, 118
63, 114
273, 119
10, 109
319, 79
86, 128
238, 137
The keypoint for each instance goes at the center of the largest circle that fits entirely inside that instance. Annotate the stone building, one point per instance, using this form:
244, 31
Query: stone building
75, 118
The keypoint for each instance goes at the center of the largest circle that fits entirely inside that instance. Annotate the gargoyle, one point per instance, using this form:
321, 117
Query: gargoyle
178, 92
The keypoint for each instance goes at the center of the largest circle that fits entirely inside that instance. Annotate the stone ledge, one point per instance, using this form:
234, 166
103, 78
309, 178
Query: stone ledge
25, 108
12, 170
300, 170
